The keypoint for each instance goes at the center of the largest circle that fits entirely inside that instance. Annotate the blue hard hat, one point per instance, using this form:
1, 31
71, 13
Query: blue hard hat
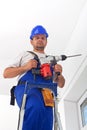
38, 30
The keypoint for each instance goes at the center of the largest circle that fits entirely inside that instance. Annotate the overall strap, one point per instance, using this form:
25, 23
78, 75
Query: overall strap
35, 56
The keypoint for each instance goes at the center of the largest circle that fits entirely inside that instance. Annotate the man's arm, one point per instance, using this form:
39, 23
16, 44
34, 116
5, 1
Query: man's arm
11, 72
61, 81
59, 78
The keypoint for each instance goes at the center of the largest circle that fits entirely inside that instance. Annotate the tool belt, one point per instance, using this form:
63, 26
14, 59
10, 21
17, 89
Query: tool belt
46, 93
12, 99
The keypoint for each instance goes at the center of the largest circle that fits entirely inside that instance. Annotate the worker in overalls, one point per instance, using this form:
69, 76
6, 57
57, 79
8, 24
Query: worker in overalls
39, 105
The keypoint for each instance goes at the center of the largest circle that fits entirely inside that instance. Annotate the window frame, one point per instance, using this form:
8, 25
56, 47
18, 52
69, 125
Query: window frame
80, 102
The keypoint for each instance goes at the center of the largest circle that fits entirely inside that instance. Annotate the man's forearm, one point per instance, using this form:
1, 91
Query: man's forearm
11, 72
61, 81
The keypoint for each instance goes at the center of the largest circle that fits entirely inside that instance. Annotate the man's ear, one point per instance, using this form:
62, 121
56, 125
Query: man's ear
31, 41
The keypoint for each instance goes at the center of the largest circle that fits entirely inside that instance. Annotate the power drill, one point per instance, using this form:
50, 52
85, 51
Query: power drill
45, 69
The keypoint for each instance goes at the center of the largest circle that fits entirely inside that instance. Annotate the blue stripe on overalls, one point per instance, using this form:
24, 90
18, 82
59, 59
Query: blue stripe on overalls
37, 115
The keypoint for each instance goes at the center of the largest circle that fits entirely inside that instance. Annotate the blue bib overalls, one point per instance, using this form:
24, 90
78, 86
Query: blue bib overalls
37, 115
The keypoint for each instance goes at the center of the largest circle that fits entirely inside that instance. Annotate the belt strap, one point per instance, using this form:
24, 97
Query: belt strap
21, 82
12, 100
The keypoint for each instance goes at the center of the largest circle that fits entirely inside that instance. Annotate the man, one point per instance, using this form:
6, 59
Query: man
39, 104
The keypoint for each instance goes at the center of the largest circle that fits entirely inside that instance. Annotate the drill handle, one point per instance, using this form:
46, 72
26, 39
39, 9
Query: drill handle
53, 63
34, 70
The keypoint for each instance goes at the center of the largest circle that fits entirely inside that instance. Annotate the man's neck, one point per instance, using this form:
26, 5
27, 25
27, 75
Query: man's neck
39, 51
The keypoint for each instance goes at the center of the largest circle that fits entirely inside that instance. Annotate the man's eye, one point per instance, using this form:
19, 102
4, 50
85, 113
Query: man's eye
43, 38
37, 37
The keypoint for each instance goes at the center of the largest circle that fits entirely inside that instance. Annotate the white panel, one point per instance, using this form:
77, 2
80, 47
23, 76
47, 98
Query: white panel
71, 115
8, 114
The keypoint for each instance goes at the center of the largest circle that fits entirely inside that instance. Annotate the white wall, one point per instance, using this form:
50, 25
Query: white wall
74, 67
6, 84
77, 45
8, 114
71, 115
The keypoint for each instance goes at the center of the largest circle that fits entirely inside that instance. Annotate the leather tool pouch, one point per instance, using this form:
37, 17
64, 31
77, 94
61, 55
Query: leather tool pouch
48, 97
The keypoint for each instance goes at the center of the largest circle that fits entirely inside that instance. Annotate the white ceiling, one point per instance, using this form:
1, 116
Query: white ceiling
18, 17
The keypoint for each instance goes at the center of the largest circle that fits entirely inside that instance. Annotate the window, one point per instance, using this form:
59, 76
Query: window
83, 108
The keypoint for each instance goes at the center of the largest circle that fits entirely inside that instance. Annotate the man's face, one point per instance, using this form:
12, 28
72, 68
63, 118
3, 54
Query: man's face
39, 42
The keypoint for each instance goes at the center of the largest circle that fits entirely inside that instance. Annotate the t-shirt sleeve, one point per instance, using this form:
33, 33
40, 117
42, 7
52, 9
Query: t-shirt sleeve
21, 59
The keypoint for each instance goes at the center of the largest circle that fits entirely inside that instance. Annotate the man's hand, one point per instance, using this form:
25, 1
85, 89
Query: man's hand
58, 68
58, 75
30, 65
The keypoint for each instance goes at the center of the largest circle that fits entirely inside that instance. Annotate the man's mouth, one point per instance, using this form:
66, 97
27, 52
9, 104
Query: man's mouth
40, 47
